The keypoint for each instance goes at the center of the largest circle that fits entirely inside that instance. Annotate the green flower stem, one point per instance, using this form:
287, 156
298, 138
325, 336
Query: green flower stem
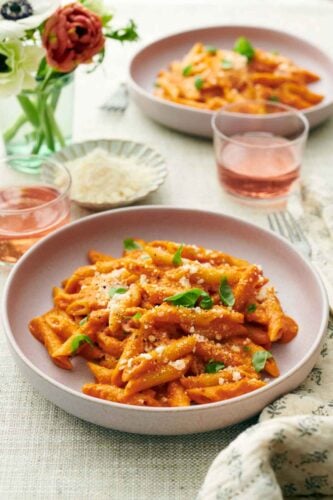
46, 123
38, 144
12, 131
54, 125
29, 110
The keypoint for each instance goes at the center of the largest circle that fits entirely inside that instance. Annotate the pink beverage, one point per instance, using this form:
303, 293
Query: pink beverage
26, 215
258, 165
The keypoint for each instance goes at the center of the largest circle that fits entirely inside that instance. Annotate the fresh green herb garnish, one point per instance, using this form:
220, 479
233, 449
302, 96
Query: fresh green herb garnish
226, 294
251, 308
190, 299
259, 359
79, 340
246, 348
187, 70
130, 244
177, 258
210, 49
83, 321
137, 316
244, 47
274, 98
214, 366
113, 291
206, 302
198, 83
226, 64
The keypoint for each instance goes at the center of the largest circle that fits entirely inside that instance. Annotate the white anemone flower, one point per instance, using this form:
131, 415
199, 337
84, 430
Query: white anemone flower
18, 16
18, 65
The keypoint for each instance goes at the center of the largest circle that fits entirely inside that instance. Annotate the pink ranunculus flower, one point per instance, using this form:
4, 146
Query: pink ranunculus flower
72, 36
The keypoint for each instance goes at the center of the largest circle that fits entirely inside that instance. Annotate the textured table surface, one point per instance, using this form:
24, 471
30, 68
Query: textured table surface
48, 454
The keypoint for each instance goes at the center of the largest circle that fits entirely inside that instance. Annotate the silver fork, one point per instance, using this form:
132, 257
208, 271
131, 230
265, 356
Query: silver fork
286, 225
118, 101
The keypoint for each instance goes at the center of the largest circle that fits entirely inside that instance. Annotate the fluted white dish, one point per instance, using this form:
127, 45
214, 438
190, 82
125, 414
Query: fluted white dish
141, 155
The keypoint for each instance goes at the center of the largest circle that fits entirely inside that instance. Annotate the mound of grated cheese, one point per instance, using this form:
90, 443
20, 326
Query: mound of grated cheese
101, 178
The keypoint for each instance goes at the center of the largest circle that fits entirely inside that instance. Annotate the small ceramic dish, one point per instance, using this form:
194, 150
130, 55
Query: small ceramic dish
141, 155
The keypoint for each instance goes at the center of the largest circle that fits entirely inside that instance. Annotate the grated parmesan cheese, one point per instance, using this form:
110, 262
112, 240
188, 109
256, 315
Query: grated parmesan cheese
101, 178
236, 376
179, 364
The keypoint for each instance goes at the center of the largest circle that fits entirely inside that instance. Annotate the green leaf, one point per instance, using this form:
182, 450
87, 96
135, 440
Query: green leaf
130, 244
177, 258
127, 34
244, 47
83, 321
226, 64
113, 291
274, 98
214, 366
206, 302
259, 359
226, 294
251, 308
210, 49
198, 83
187, 70
190, 299
246, 348
137, 316
79, 340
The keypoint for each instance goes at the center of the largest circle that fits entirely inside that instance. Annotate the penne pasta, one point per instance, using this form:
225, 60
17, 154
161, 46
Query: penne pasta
167, 324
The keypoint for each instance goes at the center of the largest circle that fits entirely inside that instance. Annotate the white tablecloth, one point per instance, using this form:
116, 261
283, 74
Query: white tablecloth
48, 454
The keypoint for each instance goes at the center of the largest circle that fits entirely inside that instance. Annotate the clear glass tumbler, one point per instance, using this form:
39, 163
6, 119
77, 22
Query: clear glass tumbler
259, 148
31, 205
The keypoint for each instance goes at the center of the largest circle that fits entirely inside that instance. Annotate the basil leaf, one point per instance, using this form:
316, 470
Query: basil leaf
244, 47
206, 302
177, 258
251, 308
198, 83
214, 366
79, 340
226, 64
210, 49
113, 291
226, 294
83, 321
274, 98
130, 244
190, 299
187, 70
137, 316
259, 359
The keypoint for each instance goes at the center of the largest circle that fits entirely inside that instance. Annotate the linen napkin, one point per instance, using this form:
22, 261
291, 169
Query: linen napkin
290, 452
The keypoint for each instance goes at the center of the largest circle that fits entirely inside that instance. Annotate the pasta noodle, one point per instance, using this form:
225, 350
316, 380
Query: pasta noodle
209, 78
166, 325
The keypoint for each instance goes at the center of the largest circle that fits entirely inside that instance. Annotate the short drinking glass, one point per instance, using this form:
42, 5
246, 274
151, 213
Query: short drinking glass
258, 148
31, 205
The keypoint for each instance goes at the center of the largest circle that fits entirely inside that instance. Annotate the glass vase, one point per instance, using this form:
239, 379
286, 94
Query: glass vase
39, 121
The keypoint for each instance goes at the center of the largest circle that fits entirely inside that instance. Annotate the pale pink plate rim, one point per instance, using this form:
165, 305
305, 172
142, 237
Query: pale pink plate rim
16, 269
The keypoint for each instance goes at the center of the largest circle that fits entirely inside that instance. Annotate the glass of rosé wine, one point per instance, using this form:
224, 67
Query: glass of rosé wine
31, 204
259, 148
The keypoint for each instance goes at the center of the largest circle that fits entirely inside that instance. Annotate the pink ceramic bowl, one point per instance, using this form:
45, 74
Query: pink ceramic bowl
157, 55
28, 293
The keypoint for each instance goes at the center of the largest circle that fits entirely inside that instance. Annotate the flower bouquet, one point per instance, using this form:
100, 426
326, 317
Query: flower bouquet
41, 44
